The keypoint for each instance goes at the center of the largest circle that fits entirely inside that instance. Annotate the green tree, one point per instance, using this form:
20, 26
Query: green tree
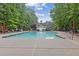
65, 16
16, 16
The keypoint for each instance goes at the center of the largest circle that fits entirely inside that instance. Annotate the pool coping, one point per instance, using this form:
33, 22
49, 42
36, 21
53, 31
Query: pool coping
18, 33
11, 34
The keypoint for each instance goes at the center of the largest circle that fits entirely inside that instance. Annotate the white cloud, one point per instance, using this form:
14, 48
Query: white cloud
44, 4
48, 13
40, 15
44, 19
41, 5
38, 6
31, 4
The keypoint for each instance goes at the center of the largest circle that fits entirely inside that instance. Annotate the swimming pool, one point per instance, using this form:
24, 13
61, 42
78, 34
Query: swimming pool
35, 35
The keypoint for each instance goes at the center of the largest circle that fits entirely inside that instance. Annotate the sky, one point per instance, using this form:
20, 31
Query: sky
42, 10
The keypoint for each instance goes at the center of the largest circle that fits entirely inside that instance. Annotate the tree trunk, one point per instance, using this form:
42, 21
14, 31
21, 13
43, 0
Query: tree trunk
74, 26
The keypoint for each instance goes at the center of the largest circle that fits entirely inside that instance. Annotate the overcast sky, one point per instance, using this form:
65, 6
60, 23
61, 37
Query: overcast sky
42, 10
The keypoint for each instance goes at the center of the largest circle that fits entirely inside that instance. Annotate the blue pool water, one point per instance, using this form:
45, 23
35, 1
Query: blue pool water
35, 35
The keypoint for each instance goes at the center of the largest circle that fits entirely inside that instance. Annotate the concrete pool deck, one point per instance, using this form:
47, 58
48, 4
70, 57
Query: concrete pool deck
39, 47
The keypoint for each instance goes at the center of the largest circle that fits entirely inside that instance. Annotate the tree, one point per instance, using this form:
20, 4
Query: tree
65, 16
16, 16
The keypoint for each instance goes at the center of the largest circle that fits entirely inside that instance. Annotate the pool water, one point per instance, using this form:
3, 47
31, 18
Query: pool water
36, 35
